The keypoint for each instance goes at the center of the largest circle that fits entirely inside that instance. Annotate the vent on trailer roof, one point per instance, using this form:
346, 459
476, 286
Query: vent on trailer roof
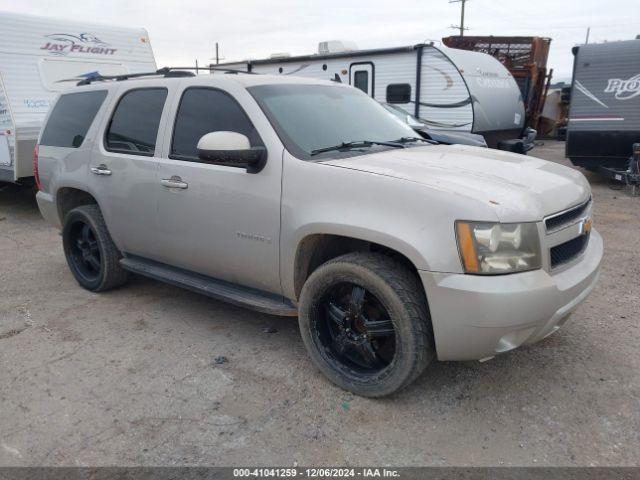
275, 56
336, 46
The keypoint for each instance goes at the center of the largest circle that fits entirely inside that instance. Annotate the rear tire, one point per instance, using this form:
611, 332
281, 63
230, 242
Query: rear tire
92, 256
365, 323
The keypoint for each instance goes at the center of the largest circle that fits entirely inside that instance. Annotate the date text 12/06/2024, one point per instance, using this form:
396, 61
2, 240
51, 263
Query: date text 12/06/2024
315, 472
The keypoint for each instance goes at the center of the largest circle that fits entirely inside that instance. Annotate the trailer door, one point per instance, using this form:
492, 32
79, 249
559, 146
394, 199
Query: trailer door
361, 76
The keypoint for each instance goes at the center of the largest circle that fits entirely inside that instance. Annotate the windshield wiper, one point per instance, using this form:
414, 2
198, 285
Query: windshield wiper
403, 140
356, 144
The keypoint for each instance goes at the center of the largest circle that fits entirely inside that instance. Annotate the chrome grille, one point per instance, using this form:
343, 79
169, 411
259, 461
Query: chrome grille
559, 220
567, 251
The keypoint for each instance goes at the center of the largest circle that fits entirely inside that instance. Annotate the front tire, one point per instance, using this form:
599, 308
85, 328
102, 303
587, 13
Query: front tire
93, 258
365, 323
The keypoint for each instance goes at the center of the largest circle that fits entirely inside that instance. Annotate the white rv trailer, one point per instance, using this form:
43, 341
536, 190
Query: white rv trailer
447, 88
37, 55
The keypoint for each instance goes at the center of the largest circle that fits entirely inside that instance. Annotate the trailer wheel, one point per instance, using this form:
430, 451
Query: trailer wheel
365, 323
91, 254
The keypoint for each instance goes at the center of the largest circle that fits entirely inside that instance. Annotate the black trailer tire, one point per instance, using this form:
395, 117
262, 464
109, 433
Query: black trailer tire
93, 258
388, 286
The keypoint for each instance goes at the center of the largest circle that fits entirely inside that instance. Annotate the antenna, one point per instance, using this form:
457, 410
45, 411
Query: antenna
461, 27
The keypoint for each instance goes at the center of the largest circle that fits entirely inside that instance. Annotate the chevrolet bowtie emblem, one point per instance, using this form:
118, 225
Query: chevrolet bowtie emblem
586, 225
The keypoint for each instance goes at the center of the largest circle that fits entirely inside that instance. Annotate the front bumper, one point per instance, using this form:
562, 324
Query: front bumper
476, 317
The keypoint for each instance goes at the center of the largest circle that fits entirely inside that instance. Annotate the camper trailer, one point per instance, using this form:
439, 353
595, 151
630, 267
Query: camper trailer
40, 57
604, 116
445, 88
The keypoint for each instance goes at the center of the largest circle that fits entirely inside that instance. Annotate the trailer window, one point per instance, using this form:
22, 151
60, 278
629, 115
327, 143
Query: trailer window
361, 80
398, 93
134, 126
71, 118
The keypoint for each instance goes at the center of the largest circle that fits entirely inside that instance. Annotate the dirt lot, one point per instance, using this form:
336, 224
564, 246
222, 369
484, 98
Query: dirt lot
130, 377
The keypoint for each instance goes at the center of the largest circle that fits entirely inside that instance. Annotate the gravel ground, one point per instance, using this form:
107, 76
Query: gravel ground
155, 375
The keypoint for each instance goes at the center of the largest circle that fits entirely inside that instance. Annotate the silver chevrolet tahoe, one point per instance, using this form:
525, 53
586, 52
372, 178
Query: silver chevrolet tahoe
307, 198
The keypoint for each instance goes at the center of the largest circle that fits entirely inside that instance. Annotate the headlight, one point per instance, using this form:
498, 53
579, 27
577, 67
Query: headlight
494, 248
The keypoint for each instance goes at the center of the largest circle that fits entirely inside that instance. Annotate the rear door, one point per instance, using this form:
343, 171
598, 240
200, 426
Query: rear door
123, 169
361, 76
214, 219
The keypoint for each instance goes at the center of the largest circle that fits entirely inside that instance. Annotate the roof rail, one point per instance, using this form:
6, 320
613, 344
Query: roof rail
213, 68
167, 72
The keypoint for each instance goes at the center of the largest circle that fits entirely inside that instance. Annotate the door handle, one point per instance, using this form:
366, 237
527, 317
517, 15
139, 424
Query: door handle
101, 170
174, 182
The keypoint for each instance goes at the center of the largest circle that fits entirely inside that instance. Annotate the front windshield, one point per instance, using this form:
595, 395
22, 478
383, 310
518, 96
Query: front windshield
312, 117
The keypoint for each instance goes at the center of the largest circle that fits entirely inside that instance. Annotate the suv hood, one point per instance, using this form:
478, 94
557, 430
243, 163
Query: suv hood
518, 187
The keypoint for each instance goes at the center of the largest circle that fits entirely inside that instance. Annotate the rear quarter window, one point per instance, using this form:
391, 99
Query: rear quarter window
71, 118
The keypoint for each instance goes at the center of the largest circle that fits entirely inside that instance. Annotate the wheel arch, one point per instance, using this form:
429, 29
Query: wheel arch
314, 249
68, 198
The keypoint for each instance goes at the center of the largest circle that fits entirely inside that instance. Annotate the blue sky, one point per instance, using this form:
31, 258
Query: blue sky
183, 31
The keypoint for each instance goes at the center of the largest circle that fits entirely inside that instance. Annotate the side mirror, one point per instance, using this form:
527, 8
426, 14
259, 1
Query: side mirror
231, 149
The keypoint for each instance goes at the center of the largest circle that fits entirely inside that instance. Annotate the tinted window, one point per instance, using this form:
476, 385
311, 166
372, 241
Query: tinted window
134, 125
399, 93
71, 118
361, 80
309, 117
205, 110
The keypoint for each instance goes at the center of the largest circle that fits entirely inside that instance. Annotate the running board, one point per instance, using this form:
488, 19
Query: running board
218, 289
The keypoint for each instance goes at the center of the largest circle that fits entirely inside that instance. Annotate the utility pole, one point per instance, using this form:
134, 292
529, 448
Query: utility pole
588, 31
217, 58
461, 26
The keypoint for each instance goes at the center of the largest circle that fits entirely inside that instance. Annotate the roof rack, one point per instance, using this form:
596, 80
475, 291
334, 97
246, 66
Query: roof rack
167, 72
212, 68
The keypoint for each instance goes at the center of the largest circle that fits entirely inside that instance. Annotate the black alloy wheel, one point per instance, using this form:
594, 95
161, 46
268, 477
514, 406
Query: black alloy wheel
84, 251
92, 256
365, 322
356, 329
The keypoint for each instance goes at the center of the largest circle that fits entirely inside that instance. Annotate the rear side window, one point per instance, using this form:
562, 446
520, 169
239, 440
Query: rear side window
206, 110
71, 118
133, 128
398, 93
